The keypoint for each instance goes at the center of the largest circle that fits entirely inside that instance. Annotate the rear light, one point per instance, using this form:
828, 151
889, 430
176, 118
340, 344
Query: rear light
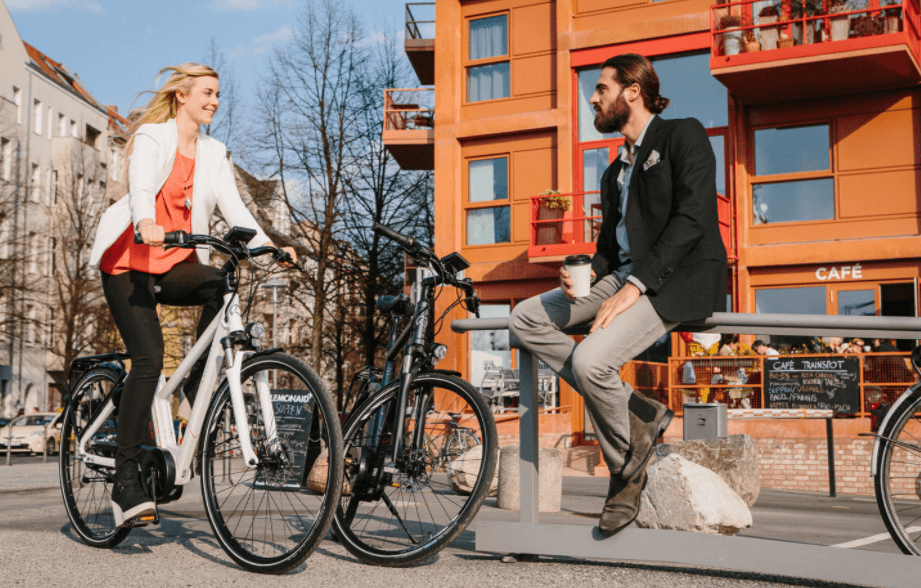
877, 411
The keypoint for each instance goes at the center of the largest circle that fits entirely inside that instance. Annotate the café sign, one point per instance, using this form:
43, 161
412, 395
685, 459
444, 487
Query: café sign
844, 272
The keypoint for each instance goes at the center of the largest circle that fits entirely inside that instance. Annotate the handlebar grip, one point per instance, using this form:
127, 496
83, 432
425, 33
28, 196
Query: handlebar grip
399, 238
171, 238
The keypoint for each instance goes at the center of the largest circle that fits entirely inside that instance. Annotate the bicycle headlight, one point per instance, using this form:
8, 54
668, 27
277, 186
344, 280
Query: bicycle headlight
255, 331
439, 351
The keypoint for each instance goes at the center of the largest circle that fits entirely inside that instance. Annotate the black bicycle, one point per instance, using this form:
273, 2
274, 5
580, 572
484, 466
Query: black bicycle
400, 503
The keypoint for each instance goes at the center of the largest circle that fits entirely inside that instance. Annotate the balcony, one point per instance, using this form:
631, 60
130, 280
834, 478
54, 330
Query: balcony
420, 40
799, 49
409, 127
568, 224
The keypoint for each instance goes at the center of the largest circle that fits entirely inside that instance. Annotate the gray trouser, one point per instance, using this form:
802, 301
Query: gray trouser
593, 366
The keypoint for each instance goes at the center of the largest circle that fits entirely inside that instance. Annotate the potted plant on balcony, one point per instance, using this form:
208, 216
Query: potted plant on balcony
811, 28
892, 15
730, 41
840, 25
750, 41
767, 16
552, 207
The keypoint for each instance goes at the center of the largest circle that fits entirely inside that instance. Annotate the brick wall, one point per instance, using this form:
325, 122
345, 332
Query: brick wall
802, 465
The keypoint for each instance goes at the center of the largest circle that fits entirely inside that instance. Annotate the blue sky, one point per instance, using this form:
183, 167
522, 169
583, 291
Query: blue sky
118, 46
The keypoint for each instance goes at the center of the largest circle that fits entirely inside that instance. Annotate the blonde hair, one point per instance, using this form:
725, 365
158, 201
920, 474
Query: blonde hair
164, 104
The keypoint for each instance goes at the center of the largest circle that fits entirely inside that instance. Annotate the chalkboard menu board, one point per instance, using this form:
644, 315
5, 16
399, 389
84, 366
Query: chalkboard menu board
293, 416
827, 383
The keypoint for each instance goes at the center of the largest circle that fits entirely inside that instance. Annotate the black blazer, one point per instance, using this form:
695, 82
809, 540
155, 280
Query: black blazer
672, 222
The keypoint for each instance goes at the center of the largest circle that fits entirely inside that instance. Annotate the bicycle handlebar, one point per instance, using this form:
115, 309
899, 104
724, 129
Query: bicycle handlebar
399, 238
188, 240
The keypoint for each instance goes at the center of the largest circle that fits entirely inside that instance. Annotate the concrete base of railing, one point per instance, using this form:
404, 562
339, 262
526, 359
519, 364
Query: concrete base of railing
760, 556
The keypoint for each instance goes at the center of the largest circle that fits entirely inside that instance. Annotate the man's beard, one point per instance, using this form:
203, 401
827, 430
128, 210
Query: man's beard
615, 118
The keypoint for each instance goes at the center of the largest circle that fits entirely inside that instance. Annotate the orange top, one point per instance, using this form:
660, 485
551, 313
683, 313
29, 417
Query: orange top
174, 213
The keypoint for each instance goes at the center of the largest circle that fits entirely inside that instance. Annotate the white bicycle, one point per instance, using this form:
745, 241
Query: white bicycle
261, 442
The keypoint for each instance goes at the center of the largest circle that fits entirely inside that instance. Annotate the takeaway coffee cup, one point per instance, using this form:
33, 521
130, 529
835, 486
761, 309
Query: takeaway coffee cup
580, 270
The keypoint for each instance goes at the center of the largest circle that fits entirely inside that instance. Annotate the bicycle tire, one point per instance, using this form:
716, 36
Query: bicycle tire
86, 492
899, 455
270, 499
361, 521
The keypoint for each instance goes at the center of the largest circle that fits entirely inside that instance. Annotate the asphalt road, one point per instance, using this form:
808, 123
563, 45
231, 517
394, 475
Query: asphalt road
24, 458
37, 548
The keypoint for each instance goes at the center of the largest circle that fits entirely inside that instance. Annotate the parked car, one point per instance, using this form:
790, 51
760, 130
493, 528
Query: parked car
31, 431
4, 421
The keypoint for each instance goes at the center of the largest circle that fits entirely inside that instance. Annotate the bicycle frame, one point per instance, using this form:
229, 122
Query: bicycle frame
227, 321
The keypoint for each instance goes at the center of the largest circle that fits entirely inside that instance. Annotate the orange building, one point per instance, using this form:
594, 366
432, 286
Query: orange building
813, 112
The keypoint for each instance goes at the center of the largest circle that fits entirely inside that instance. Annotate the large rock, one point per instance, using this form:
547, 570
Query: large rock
550, 479
463, 471
733, 458
684, 496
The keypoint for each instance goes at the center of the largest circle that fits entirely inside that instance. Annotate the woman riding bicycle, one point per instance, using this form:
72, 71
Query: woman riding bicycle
176, 175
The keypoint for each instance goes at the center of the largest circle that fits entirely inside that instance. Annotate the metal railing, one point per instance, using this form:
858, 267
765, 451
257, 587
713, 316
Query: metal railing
562, 222
413, 29
410, 113
788, 23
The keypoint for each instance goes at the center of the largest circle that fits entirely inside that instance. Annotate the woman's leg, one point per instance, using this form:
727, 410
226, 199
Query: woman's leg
134, 307
193, 284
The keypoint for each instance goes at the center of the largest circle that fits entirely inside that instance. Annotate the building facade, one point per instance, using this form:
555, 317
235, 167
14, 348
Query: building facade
812, 112
53, 147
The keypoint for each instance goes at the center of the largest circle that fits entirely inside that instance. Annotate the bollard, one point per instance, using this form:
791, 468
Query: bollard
45, 446
9, 444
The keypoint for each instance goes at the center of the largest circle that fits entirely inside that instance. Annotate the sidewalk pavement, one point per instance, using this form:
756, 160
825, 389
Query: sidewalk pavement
29, 476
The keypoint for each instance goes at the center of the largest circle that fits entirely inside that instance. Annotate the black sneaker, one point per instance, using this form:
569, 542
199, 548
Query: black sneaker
130, 505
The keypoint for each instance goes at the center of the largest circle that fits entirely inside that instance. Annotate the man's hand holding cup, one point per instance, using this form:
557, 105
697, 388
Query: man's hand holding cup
576, 276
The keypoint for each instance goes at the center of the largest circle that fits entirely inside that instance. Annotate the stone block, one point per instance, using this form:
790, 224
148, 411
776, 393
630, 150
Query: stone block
684, 496
463, 471
733, 458
550, 479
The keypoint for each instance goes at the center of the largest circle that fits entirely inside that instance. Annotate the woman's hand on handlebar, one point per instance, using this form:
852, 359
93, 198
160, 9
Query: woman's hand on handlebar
151, 233
291, 253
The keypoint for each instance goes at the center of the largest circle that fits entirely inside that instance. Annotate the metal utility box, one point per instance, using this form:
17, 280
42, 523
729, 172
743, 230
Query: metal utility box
704, 421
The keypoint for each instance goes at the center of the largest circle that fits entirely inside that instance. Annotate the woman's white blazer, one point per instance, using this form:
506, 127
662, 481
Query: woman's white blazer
150, 165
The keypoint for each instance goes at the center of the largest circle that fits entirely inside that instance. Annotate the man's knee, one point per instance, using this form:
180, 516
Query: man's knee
520, 321
591, 369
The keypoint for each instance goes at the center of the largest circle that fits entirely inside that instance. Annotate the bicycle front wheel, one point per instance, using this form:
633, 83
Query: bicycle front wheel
898, 476
270, 518
397, 514
87, 489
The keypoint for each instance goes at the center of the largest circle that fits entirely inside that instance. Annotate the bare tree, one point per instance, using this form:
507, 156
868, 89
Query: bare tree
307, 120
80, 319
382, 192
225, 127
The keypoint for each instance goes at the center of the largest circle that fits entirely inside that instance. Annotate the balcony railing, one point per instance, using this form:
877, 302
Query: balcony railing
810, 42
402, 111
409, 127
416, 28
420, 40
568, 224
564, 224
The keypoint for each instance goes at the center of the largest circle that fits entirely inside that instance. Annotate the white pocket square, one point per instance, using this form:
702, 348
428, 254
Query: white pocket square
652, 160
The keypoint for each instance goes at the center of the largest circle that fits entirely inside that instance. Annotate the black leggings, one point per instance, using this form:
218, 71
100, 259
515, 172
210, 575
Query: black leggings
133, 298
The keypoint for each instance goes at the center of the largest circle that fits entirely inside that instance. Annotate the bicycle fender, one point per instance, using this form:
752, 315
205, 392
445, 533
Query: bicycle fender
263, 352
437, 371
882, 426
116, 367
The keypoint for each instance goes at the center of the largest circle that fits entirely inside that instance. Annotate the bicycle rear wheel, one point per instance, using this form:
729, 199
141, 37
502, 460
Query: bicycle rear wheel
87, 489
398, 514
270, 518
898, 476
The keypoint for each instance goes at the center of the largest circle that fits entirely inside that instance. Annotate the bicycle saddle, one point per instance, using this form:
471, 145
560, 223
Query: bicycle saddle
395, 304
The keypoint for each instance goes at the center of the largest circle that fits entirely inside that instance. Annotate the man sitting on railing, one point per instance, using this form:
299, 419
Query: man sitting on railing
660, 261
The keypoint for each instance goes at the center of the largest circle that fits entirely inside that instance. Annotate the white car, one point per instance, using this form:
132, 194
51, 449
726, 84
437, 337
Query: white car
30, 431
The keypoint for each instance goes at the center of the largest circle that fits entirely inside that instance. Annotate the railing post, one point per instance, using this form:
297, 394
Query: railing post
528, 436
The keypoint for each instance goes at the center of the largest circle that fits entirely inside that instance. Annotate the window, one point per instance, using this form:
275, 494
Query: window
488, 182
802, 300
32, 250
489, 350
793, 152
53, 187
74, 129
6, 158
35, 184
30, 324
62, 125
91, 136
49, 127
17, 100
37, 118
490, 78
